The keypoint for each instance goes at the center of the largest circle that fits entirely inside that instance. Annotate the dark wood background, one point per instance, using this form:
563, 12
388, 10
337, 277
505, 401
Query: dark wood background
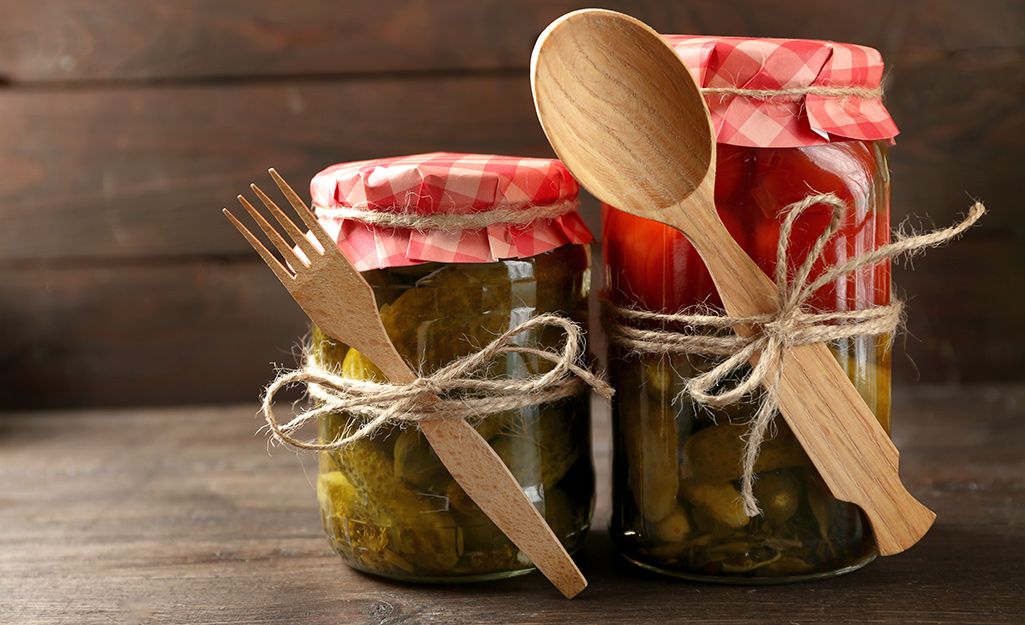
126, 126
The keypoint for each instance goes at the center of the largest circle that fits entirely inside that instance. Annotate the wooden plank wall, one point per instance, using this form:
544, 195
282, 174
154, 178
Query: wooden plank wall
125, 126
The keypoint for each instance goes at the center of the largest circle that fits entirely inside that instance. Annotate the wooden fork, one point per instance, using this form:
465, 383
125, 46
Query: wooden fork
342, 304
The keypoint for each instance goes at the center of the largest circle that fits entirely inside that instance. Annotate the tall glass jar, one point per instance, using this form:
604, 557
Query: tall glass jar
677, 465
388, 504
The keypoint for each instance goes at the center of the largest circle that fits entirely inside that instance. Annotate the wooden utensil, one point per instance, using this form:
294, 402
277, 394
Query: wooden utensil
342, 304
623, 112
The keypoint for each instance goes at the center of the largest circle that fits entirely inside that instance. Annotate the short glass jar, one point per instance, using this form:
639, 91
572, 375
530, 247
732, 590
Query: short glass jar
388, 504
677, 465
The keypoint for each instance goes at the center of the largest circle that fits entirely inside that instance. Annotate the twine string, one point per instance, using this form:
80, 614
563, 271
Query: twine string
818, 90
775, 333
515, 215
456, 391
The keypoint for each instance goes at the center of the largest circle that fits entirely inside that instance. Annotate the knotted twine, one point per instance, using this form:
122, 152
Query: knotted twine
775, 333
456, 391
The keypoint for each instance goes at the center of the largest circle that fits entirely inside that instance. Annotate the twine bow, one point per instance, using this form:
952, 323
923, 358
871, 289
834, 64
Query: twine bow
771, 335
452, 392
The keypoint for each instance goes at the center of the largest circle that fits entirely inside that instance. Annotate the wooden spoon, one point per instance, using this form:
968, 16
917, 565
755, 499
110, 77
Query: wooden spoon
625, 115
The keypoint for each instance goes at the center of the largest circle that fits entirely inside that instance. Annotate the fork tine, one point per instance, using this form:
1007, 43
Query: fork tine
279, 270
293, 231
279, 241
304, 212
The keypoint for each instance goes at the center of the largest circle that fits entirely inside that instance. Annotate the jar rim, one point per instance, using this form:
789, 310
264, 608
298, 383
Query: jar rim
448, 207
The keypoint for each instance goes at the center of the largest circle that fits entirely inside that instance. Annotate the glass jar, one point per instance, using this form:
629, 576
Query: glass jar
388, 504
677, 465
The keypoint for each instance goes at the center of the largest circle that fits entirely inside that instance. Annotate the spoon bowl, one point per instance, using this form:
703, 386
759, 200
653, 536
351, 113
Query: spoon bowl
625, 115
666, 133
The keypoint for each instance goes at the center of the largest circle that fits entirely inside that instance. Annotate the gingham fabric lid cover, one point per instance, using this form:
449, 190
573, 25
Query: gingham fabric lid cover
774, 64
448, 184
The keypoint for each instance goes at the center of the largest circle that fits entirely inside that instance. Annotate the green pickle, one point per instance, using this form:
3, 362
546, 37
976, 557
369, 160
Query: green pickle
700, 530
388, 504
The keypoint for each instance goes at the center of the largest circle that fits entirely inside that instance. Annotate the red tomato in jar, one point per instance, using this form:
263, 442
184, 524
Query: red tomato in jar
845, 168
655, 266
788, 175
735, 170
626, 255
657, 269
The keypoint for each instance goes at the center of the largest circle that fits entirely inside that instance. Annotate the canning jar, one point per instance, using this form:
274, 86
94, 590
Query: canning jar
446, 284
793, 119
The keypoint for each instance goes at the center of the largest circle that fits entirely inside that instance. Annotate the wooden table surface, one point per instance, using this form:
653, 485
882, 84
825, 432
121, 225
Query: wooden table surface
184, 515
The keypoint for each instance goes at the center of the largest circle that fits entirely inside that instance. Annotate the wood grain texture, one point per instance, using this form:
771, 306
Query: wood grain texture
141, 171
182, 516
82, 40
194, 331
116, 40
964, 310
144, 171
126, 126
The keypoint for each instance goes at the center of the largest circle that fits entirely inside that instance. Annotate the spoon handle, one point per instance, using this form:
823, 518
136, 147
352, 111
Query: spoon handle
848, 446
844, 440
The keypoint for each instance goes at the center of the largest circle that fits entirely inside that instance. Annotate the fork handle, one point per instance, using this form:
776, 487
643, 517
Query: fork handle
487, 480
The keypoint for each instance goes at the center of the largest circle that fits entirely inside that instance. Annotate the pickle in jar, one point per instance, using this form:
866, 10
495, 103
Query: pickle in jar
429, 529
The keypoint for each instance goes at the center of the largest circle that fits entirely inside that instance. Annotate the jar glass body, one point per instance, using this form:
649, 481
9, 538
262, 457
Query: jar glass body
388, 504
677, 465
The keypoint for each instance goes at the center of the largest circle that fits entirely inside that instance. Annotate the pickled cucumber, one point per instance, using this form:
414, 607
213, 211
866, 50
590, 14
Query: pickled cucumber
651, 451
495, 302
540, 446
417, 464
419, 529
675, 527
866, 360
390, 506
326, 351
356, 366
720, 501
779, 494
704, 530
365, 540
715, 453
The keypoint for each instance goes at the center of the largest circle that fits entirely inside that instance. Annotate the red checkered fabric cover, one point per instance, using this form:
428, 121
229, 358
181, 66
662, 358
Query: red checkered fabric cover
430, 185
774, 64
